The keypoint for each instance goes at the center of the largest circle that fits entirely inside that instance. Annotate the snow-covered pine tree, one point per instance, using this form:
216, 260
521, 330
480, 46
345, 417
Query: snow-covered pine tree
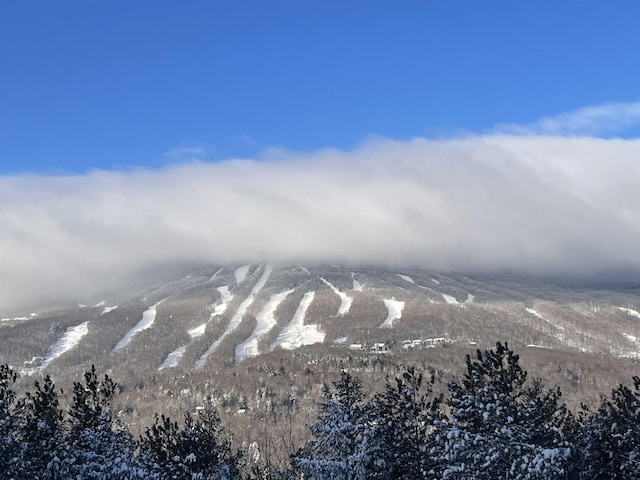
501, 427
343, 447
200, 449
610, 445
8, 446
38, 434
405, 415
98, 447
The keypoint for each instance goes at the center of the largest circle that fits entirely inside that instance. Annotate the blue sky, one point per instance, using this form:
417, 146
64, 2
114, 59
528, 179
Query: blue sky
467, 136
145, 83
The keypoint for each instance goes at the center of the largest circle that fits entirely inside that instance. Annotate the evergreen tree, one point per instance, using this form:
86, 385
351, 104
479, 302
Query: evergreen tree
404, 418
199, 449
343, 447
8, 446
610, 446
500, 425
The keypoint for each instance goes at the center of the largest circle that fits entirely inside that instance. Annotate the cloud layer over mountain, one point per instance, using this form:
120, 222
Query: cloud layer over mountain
529, 204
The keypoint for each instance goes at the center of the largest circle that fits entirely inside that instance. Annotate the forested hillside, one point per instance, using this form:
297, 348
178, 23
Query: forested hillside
492, 421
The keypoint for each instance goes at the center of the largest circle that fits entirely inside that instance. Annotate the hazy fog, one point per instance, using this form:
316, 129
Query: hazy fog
524, 203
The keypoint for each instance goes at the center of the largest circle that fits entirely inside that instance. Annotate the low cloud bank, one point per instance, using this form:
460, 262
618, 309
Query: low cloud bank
538, 205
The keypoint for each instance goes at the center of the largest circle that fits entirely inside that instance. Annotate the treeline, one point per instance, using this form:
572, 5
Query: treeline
494, 423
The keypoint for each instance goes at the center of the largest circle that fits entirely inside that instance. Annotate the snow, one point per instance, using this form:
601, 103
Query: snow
356, 284
630, 311
560, 328
304, 270
340, 340
173, 358
213, 277
406, 278
238, 316
197, 331
449, 299
345, 300
108, 309
630, 337
534, 312
31, 315
100, 304
394, 307
226, 297
435, 281
297, 334
241, 273
265, 321
148, 317
470, 298
69, 339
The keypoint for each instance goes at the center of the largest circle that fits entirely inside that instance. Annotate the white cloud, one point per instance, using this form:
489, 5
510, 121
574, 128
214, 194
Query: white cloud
592, 120
531, 204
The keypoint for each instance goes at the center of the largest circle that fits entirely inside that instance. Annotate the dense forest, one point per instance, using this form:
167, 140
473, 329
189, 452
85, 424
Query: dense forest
493, 422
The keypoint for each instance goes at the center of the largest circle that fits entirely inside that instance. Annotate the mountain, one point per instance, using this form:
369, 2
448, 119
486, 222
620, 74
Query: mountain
221, 322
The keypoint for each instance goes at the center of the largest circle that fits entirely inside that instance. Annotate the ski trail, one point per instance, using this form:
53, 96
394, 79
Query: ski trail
265, 321
449, 299
560, 329
406, 278
630, 311
237, 317
213, 277
304, 270
173, 358
241, 273
148, 317
356, 284
345, 300
67, 341
108, 309
226, 297
197, 331
394, 307
297, 334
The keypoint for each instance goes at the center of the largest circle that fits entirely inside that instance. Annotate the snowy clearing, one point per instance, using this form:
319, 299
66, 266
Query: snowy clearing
340, 340
630, 311
148, 317
297, 334
108, 309
18, 319
69, 339
304, 270
406, 278
241, 273
470, 298
197, 331
213, 277
394, 307
238, 316
226, 297
345, 300
356, 284
265, 321
449, 299
173, 358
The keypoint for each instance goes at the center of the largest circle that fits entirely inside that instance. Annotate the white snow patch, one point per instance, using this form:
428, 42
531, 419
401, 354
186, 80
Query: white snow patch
533, 345
265, 321
226, 297
435, 281
238, 316
394, 307
69, 339
345, 300
108, 309
356, 284
100, 304
470, 298
449, 299
197, 331
630, 311
297, 334
31, 315
535, 312
213, 277
173, 358
148, 317
340, 340
304, 270
241, 273
406, 278
630, 337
